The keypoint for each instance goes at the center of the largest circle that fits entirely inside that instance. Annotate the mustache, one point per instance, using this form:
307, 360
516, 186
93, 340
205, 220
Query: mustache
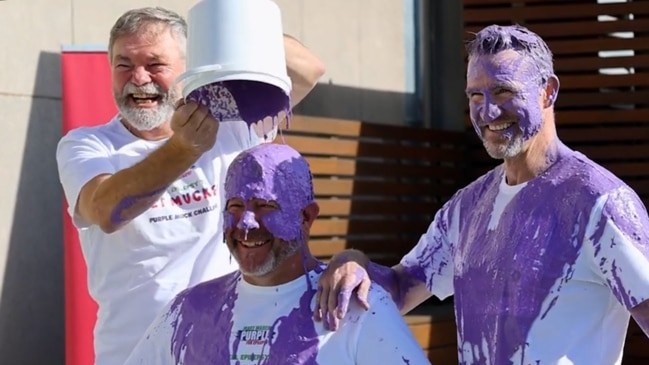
149, 88
253, 235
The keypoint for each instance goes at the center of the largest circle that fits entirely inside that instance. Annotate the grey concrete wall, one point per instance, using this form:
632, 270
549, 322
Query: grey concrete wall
363, 42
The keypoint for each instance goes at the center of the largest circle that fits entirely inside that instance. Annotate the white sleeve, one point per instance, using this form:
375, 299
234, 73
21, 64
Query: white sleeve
431, 260
384, 337
155, 347
618, 240
80, 157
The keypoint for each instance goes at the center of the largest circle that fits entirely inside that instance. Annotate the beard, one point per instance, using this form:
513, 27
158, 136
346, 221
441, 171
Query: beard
280, 251
511, 147
146, 119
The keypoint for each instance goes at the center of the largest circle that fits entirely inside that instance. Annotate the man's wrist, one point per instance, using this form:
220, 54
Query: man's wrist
178, 148
351, 255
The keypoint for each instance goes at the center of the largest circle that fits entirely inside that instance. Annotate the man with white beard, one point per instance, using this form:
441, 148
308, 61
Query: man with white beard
145, 189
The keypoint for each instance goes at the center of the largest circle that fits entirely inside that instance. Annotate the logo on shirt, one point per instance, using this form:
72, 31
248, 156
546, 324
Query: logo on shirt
251, 341
192, 192
254, 335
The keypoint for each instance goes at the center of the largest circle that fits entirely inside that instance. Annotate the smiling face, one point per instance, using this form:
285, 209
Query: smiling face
270, 208
144, 66
506, 101
257, 251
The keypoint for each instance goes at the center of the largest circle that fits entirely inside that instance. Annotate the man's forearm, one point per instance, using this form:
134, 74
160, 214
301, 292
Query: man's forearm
130, 192
303, 67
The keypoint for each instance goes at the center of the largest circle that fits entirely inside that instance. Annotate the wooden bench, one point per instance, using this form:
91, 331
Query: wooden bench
378, 187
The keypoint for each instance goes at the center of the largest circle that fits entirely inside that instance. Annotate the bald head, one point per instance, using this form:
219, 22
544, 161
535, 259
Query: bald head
273, 172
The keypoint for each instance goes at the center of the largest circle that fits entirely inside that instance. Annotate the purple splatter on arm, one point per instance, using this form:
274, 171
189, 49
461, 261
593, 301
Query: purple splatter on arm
388, 279
116, 216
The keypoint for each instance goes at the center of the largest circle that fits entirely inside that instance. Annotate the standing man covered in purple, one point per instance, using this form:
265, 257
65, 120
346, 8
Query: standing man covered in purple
262, 314
145, 189
546, 254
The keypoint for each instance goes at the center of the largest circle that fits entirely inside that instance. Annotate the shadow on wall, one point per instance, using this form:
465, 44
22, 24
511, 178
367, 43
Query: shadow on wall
31, 305
375, 106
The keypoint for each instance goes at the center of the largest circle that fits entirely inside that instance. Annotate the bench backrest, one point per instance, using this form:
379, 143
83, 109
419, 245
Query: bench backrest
378, 186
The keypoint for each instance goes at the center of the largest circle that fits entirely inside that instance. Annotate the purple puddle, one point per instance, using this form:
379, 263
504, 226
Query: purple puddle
201, 329
503, 276
250, 101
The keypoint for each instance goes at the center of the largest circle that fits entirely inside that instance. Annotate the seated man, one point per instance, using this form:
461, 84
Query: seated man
262, 314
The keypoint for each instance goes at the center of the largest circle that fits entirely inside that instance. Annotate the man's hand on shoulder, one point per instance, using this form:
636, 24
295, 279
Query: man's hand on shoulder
344, 277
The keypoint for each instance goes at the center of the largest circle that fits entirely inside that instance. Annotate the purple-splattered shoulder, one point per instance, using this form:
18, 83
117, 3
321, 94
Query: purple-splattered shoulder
212, 303
201, 293
577, 172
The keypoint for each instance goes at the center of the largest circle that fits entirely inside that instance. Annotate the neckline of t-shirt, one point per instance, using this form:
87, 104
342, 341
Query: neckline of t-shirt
510, 189
293, 285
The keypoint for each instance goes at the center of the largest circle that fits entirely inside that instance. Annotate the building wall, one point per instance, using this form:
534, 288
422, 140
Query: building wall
366, 44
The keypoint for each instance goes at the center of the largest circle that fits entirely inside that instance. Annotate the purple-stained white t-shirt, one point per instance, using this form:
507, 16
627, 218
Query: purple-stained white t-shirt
542, 272
227, 321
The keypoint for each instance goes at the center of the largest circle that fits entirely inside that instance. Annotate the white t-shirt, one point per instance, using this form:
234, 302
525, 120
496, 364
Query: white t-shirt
544, 272
229, 321
177, 243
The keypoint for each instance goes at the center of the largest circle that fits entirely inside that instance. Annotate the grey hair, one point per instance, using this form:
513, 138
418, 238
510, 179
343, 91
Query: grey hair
496, 38
133, 20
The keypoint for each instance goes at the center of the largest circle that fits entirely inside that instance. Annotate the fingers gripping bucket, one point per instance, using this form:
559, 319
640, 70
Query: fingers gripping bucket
235, 61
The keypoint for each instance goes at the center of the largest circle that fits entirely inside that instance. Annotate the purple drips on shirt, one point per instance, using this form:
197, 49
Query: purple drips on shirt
250, 101
532, 249
273, 172
204, 318
204, 323
295, 340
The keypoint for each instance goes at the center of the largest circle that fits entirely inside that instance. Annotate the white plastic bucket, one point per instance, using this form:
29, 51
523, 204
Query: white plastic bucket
235, 40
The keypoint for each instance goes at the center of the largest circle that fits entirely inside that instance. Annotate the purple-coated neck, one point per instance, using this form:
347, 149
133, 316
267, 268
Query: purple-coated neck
272, 172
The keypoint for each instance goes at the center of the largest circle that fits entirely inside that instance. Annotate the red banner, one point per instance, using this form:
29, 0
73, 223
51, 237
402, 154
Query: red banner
87, 101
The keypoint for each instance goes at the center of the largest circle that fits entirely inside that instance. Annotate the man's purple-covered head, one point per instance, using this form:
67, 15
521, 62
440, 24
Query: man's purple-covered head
269, 194
510, 83
496, 38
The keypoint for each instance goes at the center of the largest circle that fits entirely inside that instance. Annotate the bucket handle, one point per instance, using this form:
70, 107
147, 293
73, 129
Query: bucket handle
187, 75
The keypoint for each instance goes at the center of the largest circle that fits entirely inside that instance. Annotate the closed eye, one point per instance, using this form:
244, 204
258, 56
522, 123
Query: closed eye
502, 91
